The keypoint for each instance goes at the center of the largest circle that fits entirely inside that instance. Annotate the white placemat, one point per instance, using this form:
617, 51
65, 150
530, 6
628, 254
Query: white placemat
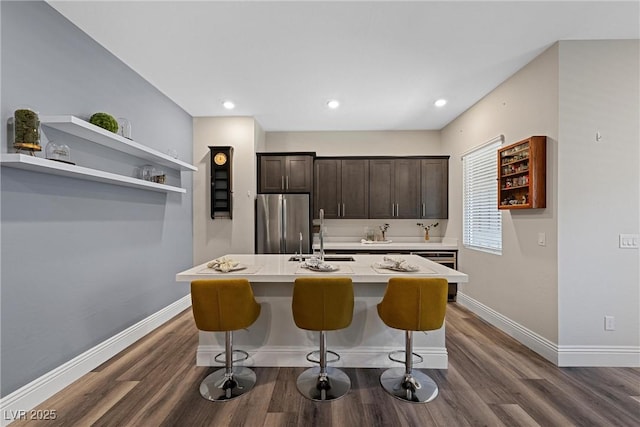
387, 271
343, 269
250, 269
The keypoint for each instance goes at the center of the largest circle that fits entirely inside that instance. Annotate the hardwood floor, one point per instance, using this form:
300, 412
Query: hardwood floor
492, 380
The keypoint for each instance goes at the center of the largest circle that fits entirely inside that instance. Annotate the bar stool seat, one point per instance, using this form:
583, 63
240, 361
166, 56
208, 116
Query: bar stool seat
323, 304
412, 304
225, 305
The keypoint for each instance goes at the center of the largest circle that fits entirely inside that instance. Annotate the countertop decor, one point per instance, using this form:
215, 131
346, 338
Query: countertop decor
278, 268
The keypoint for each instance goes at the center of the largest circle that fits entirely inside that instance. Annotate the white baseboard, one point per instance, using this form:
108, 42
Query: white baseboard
601, 356
281, 356
40, 389
562, 356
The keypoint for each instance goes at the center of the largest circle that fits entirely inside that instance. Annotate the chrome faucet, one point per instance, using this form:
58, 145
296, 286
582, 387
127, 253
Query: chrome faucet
321, 234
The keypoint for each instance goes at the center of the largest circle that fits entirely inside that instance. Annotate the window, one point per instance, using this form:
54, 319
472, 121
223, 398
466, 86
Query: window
482, 222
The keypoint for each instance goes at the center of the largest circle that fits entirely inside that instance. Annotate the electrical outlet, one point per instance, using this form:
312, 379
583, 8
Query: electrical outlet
629, 241
609, 323
542, 239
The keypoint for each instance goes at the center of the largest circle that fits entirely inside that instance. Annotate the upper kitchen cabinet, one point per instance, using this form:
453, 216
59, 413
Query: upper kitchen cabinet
434, 187
521, 174
341, 188
290, 173
394, 188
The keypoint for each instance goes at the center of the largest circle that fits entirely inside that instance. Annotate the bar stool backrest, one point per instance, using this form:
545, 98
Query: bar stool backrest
322, 303
223, 304
414, 303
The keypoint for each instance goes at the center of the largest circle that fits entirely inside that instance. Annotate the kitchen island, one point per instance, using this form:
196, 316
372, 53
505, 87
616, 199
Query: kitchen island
274, 340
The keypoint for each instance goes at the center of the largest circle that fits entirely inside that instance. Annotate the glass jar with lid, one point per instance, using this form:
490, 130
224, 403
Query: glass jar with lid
26, 130
58, 152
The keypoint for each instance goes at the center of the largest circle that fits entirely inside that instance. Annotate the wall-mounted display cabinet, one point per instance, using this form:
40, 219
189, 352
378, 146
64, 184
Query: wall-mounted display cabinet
221, 184
522, 174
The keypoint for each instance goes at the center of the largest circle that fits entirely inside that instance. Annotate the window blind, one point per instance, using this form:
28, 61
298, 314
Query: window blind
482, 222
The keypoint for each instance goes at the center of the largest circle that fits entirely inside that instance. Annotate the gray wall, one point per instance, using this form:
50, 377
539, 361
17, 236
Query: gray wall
82, 261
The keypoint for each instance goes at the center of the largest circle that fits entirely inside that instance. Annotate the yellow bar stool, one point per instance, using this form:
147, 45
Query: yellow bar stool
412, 304
323, 304
225, 306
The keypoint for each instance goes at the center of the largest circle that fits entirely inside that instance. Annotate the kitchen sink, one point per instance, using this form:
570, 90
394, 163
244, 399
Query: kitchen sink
326, 258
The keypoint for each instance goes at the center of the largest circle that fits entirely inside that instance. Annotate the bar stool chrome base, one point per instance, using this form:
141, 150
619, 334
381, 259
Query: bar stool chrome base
243, 356
314, 356
220, 386
416, 387
415, 361
321, 387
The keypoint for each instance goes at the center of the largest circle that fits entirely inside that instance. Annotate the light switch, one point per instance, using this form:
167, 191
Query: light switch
609, 323
542, 239
629, 241
599, 137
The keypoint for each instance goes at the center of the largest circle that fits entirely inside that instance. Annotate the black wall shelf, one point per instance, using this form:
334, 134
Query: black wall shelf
221, 185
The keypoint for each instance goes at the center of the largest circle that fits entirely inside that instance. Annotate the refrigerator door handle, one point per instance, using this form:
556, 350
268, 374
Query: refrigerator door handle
283, 242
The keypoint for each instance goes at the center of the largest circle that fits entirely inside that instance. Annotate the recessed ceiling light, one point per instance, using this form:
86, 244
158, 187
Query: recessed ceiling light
333, 104
228, 105
440, 103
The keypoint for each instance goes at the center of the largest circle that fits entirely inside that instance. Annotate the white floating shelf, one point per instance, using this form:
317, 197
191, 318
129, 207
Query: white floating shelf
85, 130
38, 164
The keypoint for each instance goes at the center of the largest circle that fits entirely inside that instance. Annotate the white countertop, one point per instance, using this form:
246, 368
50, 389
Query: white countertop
278, 268
394, 246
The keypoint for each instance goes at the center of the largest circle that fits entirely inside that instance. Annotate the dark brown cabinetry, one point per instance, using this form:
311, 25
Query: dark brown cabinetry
382, 187
434, 187
394, 188
446, 257
521, 174
285, 173
341, 188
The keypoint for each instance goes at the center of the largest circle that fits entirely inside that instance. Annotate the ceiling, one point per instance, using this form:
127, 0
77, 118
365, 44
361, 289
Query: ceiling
386, 62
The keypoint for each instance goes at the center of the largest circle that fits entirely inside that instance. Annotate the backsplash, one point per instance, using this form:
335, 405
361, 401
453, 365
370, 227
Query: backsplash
403, 230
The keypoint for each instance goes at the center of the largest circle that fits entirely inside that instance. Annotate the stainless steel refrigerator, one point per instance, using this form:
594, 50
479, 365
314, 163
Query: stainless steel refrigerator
281, 220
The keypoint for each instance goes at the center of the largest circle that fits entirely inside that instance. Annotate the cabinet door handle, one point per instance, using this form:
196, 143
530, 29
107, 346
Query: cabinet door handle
287, 185
423, 211
282, 182
343, 210
338, 209
393, 210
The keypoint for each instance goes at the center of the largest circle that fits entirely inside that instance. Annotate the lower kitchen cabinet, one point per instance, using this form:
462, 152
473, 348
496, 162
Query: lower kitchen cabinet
446, 257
